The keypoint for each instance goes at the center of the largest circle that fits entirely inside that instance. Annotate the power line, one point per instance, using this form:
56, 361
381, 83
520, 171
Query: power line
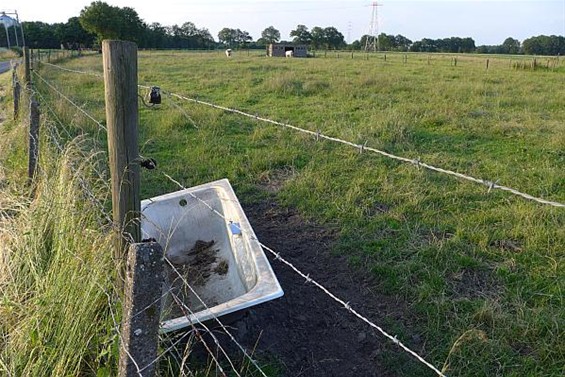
372, 41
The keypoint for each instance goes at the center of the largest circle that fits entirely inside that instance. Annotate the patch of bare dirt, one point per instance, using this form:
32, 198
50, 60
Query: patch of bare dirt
273, 181
305, 331
507, 245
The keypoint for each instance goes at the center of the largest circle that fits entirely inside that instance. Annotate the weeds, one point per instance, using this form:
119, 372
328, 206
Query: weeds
56, 270
483, 272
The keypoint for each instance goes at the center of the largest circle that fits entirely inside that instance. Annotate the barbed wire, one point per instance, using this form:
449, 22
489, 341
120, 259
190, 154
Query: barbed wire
85, 186
100, 206
363, 147
308, 279
94, 74
491, 185
187, 312
52, 87
224, 328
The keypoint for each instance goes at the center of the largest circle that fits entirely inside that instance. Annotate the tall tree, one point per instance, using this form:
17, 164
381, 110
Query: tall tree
333, 38
271, 35
110, 22
301, 35
510, 46
227, 37
544, 45
402, 43
386, 42
40, 35
72, 35
318, 37
234, 37
242, 37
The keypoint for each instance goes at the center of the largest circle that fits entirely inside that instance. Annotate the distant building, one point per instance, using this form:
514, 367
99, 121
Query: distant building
281, 49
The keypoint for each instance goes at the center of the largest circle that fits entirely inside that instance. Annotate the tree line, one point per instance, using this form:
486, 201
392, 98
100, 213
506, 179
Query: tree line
100, 21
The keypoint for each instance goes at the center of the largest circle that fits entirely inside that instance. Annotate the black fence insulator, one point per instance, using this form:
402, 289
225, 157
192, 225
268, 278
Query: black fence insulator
149, 164
155, 95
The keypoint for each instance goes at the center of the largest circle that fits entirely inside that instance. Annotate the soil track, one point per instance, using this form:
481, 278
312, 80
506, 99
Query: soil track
307, 332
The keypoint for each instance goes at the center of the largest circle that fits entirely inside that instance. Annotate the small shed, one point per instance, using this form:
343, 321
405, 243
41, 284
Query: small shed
280, 50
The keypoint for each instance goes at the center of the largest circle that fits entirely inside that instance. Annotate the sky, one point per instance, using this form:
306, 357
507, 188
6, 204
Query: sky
486, 21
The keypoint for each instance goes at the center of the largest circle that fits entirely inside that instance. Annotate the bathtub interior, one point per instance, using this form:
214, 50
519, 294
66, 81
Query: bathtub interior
221, 278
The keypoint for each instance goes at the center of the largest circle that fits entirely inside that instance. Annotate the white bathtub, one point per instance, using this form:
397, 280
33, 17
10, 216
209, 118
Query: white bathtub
232, 275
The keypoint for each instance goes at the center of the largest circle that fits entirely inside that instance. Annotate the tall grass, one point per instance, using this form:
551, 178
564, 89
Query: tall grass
56, 269
482, 274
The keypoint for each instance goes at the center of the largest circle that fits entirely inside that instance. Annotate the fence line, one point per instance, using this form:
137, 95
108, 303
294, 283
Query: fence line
363, 147
95, 74
107, 216
308, 279
100, 207
491, 185
139, 370
82, 182
70, 101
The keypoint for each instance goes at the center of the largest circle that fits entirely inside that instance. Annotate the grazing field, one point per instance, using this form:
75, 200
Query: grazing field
480, 273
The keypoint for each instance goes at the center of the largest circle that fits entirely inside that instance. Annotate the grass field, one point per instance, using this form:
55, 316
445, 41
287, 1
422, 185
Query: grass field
482, 273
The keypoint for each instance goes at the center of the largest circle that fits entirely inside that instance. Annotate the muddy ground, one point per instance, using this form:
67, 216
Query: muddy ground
306, 333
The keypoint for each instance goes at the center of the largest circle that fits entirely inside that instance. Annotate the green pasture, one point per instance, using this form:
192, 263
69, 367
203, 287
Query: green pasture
481, 274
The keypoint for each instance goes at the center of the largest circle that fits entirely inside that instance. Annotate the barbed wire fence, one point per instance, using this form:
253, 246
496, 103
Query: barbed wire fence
199, 329
186, 310
318, 135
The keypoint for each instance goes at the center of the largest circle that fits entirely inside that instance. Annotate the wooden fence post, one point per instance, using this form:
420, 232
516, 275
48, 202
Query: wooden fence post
142, 310
33, 138
27, 68
16, 92
487, 63
120, 83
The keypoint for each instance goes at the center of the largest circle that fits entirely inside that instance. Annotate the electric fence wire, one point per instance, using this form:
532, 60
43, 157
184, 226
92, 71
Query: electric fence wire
363, 147
60, 147
94, 74
52, 87
308, 279
325, 290
491, 185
